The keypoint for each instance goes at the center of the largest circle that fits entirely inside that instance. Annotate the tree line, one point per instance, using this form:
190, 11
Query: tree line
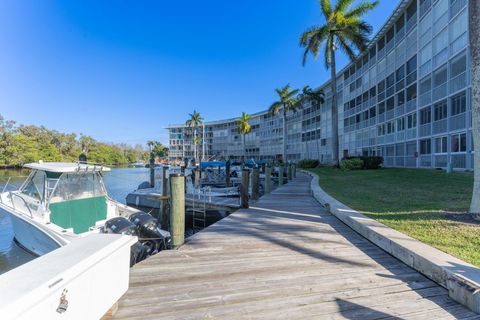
20, 144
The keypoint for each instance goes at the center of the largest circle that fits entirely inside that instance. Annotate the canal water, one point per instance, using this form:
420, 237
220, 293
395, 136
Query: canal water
119, 182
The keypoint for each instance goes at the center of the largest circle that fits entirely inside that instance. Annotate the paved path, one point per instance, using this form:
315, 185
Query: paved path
284, 258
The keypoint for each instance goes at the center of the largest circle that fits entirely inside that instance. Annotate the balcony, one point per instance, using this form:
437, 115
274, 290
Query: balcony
458, 83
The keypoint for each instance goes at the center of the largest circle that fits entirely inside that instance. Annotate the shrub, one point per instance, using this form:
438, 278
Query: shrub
308, 163
351, 164
372, 162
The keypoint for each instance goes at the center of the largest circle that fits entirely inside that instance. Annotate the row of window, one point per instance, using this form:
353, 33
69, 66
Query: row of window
458, 143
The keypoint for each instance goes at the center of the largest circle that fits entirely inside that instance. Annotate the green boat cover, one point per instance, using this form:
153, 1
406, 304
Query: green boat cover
79, 214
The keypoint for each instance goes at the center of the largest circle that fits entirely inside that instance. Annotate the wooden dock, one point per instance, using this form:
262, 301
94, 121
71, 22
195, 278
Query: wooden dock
284, 258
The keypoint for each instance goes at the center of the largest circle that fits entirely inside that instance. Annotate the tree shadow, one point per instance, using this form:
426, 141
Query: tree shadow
295, 230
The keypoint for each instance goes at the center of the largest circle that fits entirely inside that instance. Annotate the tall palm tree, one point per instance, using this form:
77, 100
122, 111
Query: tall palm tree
316, 98
244, 128
345, 30
288, 102
193, 122
474, 35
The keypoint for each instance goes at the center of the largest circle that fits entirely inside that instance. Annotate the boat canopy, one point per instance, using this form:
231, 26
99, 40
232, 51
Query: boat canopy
65, 167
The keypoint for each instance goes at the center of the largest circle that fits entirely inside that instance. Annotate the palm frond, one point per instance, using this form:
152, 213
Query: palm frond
344, 45
275, 107
361, 9
342, 5
326, 8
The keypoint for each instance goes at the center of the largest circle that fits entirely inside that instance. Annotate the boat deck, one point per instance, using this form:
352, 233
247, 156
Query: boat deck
284, 258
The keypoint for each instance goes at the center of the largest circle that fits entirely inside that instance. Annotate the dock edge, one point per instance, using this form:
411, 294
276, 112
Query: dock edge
461, 279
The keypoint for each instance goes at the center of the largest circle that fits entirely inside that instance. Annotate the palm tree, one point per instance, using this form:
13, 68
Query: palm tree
193, 122
316, 98
244, 128
344, 30
474, 35
288, 102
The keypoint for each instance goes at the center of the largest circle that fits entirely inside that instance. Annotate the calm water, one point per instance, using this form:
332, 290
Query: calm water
119, 182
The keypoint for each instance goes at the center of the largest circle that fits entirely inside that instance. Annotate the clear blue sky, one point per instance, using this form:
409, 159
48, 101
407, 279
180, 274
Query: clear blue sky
121, 71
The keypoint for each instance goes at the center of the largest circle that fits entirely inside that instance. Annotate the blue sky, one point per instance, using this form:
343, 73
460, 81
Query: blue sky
121, 71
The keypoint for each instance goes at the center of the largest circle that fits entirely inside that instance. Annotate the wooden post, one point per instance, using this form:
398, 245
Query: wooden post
152, 171
268, 179
280, 175
255, 183
177, 209
227, 173
163, 210
244, 188
290, 172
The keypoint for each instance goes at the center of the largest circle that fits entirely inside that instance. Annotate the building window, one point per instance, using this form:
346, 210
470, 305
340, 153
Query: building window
458, 104
381, 130
441, 145
440, 110
458, 66
412, 121
412, 65
425, 146
400, 124
390, 103
459, 142
381, 107
425, 116
412, 92
390, 127
400, 98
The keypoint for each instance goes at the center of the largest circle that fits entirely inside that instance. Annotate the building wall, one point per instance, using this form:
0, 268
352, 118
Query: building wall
407, 98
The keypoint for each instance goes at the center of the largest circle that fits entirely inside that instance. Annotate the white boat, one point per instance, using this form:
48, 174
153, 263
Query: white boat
138, 164
62, 202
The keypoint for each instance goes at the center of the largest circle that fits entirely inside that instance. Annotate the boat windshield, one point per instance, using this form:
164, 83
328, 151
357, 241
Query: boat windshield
74, 186
35, 185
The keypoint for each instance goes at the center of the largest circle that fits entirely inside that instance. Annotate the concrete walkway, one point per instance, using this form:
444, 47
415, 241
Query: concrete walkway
284, 258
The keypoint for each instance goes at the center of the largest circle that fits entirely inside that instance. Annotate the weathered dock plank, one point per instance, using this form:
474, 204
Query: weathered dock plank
284, 258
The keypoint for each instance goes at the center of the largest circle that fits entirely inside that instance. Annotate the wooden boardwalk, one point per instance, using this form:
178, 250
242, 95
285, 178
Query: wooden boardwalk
284, 258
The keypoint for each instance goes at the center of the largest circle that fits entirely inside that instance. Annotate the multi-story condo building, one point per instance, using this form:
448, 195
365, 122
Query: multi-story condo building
407, 98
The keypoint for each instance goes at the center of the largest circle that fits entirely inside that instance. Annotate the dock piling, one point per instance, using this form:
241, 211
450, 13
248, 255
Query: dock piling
163, 211
280, 174
244, 188
177, 209
152, 171
255, 183
227, 173
268, 179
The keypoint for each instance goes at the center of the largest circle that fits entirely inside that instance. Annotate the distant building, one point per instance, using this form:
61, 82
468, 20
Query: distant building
407, 98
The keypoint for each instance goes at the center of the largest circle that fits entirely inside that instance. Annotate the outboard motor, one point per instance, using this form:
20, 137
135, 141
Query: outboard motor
149, 232
121, 225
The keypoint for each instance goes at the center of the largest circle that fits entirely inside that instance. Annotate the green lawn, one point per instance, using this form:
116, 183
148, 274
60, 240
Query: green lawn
429, 205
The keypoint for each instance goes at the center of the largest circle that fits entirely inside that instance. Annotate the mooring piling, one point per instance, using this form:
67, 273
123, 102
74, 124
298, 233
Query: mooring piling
255, 183
227, 173
177, 209
268, 179
280, 174
244, 188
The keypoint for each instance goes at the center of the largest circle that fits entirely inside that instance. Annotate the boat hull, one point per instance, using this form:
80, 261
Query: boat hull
32, 236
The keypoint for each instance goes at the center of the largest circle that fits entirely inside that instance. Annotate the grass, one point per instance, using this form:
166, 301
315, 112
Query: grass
429, 205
